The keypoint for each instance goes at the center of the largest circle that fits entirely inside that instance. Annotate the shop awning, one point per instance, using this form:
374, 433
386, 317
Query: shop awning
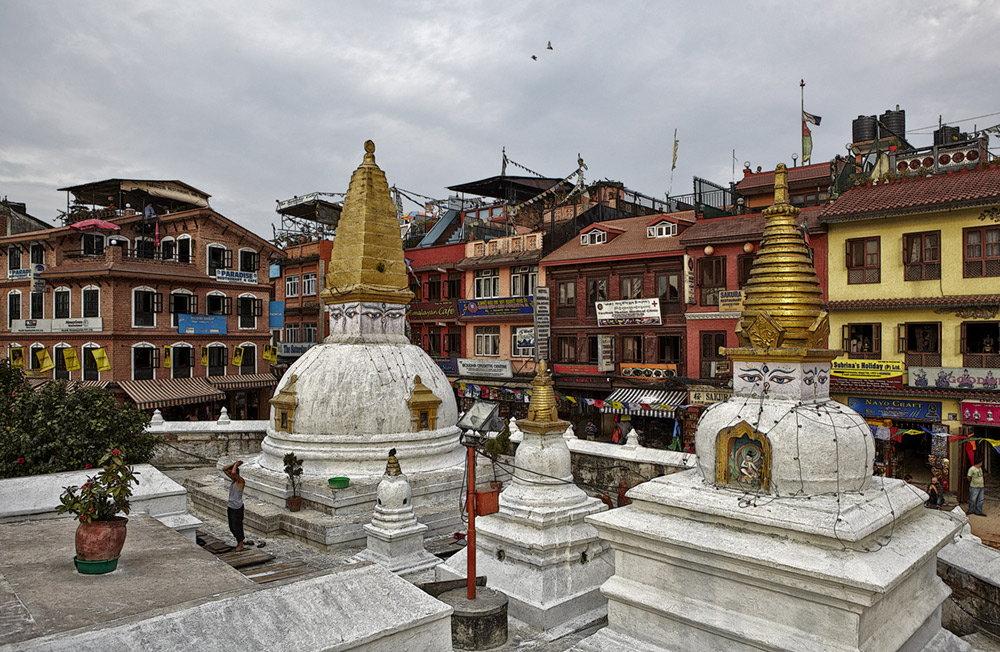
243, 381
644, 402
165, 392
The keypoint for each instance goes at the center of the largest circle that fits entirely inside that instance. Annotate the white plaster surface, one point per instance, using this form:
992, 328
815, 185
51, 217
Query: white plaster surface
352, 408
636, 453
359, 608
816, 448
37, 497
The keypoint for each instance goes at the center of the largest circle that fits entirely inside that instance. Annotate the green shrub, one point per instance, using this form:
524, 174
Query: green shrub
65, 427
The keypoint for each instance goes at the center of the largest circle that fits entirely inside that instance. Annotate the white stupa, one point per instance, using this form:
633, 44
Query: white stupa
365, 389
780, 539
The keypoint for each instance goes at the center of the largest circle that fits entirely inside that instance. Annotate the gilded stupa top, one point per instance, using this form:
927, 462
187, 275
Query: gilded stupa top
543, 416
366, 262
392, 467
783, 316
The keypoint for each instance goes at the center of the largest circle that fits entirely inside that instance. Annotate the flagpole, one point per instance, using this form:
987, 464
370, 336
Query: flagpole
802, 115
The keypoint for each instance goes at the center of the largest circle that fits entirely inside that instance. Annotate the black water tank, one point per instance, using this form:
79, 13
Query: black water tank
946, 135
864, 128
894, 122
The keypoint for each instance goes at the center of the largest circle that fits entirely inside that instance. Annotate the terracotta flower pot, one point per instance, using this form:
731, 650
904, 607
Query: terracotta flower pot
293, 504
100, 540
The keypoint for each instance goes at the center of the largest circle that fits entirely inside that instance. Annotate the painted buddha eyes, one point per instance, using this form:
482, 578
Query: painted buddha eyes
752, 377
781, 380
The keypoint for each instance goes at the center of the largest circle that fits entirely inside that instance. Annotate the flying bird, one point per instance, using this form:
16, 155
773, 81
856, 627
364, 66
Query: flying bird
549, 46
534, 58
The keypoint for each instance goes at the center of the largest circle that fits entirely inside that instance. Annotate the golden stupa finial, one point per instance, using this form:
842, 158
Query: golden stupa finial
783, 314
366, 261
543, 416
392, 466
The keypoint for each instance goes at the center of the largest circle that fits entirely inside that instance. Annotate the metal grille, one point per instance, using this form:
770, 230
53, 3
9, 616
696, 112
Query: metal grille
981, 360
993, 267
923, 271
973, 269
923, 359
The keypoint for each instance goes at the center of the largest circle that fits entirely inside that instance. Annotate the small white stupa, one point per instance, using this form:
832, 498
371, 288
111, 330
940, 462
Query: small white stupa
538, 549
780, 539
395, 538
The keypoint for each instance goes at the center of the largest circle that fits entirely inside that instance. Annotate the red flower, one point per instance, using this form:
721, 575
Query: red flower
85, 486
88, 466
115, 452
20, 460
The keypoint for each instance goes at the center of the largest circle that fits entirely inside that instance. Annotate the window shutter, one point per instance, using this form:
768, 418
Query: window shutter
877, 338
845, 331
701, 273
156, 358
227, 259
157, 302
901, 335
193, 304
847, 254
171, 306
722, 273
227, 305
963, 343
258, 307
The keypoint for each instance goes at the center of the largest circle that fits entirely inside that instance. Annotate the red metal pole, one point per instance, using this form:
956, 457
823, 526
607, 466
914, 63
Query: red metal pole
470, 539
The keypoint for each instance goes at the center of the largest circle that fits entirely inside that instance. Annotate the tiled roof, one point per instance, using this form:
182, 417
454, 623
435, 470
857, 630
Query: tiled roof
977, 186
916, 302
740, 227
511, 258
818, 174
633, 243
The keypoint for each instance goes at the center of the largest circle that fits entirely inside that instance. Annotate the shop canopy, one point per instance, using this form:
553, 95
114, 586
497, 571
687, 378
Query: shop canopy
243, 381
166, 392
644, 402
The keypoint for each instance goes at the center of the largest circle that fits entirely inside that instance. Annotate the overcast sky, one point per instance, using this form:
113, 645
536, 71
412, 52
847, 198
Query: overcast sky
253, 101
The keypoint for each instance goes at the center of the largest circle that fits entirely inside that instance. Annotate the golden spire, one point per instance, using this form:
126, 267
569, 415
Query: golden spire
543, 417
392, 466
783, 314
366, 262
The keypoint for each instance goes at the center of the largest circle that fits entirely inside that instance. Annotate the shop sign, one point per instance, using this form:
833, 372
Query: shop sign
606, 351
275, 314
19, 274
501, 307
479, 368
87, 325
37, 282
433, 309
201, 324
954, 377
524, 337
648, 371
234, 276
448, 365
294, 349
896, 408
542, 321
577, 369
731, 300
629, 312
980, 414
689, 279
708, 395
866, 369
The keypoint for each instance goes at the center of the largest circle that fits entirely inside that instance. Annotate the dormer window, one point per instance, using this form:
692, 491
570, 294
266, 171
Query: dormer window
594, 237
661, 230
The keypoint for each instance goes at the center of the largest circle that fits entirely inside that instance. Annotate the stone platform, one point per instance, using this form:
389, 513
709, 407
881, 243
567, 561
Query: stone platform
168, 594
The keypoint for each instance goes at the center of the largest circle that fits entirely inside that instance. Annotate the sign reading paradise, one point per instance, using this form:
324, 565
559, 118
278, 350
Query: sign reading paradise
629, 312
234, 276
495, 307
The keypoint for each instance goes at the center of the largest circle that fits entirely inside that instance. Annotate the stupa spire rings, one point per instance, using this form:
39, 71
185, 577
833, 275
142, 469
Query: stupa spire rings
543, 416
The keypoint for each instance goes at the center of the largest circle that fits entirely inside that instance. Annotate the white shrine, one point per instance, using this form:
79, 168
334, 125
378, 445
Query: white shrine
781, 538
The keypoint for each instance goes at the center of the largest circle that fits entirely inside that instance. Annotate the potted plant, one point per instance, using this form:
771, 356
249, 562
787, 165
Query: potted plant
293, 469
101, 532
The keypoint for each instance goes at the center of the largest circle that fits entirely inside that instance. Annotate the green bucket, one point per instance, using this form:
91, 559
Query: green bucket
95, 567
339, 483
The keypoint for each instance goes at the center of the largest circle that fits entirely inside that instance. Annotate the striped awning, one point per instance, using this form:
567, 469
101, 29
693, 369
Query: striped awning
243, 381
165, 392
644, 402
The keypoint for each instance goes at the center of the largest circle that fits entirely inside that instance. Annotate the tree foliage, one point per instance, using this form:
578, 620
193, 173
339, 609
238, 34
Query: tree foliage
65, 427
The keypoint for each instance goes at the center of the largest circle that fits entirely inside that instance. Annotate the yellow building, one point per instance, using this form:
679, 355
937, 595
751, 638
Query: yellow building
914, 282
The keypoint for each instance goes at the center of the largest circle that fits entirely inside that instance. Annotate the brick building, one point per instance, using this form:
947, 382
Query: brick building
167, 307
302, 278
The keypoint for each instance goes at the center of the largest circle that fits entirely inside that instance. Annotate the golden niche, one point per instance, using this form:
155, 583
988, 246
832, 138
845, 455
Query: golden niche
284, 406
743, 459
423, 407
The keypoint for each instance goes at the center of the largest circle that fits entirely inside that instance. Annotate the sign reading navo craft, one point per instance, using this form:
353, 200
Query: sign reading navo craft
895, 408
479, 368
954, 377
629, 312
501, 307
233, 276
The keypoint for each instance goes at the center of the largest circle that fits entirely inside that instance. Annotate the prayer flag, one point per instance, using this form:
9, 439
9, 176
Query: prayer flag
807, 144
69, 357
810, 118
44, 360
101, 359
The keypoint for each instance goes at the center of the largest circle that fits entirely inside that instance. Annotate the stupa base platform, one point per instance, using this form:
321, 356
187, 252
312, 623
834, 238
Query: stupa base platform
329, 518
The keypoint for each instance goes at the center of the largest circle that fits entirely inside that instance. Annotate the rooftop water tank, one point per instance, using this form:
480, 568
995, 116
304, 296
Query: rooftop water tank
894, 123
864, 128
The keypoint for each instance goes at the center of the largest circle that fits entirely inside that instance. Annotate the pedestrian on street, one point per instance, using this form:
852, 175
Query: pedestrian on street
976, 488
590, 430
234, 507
934, 496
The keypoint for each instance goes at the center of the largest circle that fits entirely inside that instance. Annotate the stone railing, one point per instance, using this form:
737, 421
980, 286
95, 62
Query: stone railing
204, 442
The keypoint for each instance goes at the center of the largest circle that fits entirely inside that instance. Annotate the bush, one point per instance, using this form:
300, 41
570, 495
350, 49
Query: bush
64, 427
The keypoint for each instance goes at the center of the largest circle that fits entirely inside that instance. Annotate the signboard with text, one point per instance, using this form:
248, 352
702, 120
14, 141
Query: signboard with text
234, 276
501, 307
866, 369
542, 320
201, 324
606, 352
640, 371
629, 312
976, 413
705, 395
293, 349
432, 309
479, 368
896, 408
276, 314
954, 377
85, 325
689, 283
730, 300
